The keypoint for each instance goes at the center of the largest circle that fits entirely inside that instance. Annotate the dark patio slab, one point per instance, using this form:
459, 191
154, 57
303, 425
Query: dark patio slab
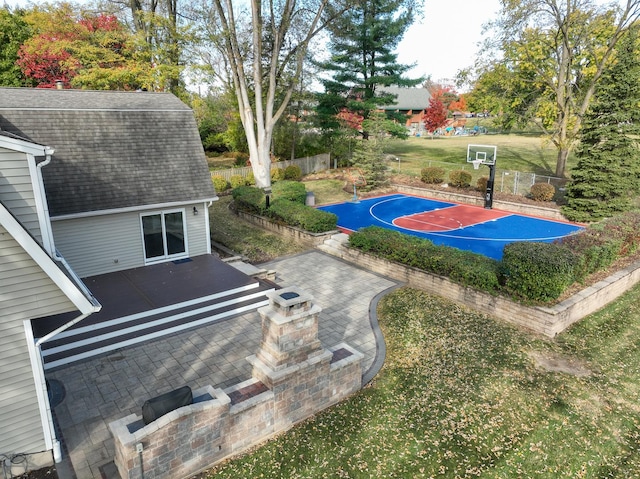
150, 287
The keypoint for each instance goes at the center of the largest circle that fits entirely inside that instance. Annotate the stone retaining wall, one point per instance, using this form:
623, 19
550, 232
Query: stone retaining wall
294, 377
301, 236
548, 321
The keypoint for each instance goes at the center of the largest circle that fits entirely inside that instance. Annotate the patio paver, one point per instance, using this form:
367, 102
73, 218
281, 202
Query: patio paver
109, 387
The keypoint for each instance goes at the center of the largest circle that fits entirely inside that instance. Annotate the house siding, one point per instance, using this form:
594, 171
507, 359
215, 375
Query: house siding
16, 190
107, 243
27, 293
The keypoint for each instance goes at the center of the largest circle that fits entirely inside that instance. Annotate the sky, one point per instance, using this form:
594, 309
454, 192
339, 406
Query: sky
446, 39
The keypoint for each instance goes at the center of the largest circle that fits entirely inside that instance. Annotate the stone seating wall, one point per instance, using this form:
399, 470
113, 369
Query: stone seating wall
293, 378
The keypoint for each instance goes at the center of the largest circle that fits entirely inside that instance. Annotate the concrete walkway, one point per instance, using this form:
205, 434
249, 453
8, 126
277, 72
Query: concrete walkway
110, 387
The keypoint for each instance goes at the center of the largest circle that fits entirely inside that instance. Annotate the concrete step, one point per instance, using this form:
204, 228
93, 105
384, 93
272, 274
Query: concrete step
84, 342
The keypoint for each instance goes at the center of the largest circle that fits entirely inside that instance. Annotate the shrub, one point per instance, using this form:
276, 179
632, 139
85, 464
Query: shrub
293, 172
290, 191
432, 175
542, 192
250, 179
220, 183
240, 158
460, 178
305, 217
463, 267
538, 271
277, 174
249, 199
595, 252
237, 180
599, 245
624, 227
481, 184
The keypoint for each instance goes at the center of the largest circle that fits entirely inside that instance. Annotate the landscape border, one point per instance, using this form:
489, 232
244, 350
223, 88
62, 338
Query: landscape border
546, 320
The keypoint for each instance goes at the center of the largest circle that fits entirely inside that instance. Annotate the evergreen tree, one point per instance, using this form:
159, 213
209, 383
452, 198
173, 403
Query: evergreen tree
368, 155
607, 177
362, 60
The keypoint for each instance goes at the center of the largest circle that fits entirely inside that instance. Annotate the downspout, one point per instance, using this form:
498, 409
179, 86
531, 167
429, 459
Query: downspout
65, 326
56, 255
48, 233
208, 227
51, 441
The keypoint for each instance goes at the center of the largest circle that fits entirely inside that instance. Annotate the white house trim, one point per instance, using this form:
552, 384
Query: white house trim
22, 146
30, 245
41, 391
137, 209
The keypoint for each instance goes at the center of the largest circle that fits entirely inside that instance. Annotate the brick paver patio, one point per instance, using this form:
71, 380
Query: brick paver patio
112, 386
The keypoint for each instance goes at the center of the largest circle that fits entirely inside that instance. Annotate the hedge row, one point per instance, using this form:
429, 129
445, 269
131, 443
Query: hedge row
287, 204
538, 272
249, 199
301, 216
290, 191
463, 267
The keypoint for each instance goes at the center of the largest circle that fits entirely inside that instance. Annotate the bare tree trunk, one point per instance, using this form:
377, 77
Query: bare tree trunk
261, 111
561, 162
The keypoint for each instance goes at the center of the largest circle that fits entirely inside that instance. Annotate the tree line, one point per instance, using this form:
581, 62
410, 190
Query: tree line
547, 63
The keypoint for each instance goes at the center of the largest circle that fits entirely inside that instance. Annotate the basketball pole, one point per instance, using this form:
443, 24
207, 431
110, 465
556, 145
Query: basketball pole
488, 195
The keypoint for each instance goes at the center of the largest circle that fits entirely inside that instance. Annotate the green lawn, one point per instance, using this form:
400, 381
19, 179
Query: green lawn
256, 244
460, 396
528, 153
328, 191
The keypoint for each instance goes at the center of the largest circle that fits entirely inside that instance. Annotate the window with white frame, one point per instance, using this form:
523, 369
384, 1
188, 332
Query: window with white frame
164, 235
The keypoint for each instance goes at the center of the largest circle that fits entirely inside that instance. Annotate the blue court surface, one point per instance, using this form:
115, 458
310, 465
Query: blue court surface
466, 227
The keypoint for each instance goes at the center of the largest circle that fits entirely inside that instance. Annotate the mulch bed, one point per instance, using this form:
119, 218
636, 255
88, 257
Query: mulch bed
44, 473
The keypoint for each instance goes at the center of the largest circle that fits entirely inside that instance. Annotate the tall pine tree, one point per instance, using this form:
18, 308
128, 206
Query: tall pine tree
606, 179
363, 61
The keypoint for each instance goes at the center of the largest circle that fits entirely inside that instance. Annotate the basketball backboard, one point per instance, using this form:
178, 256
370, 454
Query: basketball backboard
481, 155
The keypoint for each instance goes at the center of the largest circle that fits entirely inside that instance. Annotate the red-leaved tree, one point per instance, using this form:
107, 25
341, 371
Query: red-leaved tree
458, 105
350, 119
93, 51
435, 115
45, 59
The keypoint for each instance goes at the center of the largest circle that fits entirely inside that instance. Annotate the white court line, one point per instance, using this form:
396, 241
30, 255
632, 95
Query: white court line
446, 235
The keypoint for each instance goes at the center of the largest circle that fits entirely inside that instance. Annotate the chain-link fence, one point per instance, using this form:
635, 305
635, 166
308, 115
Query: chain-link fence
506, 181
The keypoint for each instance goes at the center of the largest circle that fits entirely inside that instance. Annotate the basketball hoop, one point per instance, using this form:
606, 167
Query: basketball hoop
356, 176
484, 155
476, 164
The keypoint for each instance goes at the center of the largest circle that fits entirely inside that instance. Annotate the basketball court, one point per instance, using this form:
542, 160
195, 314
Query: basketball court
466, 227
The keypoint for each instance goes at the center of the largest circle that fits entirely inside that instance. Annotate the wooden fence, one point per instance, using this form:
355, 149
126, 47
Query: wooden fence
309, 164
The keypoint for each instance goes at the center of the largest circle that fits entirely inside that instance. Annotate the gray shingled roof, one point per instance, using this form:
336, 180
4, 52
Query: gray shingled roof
112, 149
415, 99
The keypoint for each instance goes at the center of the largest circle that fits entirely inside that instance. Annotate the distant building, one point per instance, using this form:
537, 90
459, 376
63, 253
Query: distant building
412, 102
